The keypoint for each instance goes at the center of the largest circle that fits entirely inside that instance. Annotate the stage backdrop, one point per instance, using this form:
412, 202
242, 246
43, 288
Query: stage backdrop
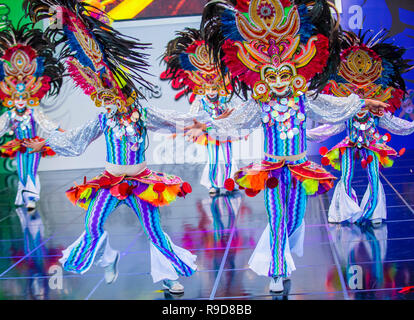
73, 108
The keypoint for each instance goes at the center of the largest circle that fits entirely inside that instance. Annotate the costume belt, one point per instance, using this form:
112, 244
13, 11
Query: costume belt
295, 157
125, 170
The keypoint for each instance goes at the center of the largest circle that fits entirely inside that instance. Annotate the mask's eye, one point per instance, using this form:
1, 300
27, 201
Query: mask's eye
271, 77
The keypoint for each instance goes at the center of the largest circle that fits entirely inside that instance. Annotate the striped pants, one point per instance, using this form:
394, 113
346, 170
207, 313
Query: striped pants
285, 207
29, 185
84, 250
348, 167
213, 158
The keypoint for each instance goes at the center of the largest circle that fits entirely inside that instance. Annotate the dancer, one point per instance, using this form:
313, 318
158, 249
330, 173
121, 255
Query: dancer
28, 72
190, 69
278, 50
104, 64
370, 68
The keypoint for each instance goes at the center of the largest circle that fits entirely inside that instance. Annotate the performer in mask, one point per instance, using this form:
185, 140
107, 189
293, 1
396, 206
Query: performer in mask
280, 50
370, 68
190, 69
105, 64
29, 71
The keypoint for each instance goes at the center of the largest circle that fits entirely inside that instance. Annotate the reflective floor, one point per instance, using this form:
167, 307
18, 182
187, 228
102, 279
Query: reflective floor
337, 261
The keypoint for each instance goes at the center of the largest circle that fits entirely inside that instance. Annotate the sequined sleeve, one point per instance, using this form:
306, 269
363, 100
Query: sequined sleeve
329, 109
396, 125
196, 106
245, 118
4, 123
171, 121
74, 142
324, 132
47, 126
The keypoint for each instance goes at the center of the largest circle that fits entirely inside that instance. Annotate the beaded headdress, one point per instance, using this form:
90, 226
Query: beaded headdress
102, 61
273, 47
190, 66
371, 68
28, 68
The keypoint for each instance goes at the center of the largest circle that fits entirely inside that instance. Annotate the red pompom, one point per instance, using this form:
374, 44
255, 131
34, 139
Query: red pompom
323, 151
325, 161
382, 153
401, 152
364, 163
186, 188
121, 191
251, 192
272, 182
159, 187
370, 158
229, 184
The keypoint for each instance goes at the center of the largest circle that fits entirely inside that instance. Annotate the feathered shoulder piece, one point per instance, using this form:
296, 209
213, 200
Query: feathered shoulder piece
28, 67
102, 61
370, 67
262, 38
190, 67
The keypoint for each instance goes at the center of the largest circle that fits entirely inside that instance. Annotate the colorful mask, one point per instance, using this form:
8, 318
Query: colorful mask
272, 48
191, 67
364, 72
22, 83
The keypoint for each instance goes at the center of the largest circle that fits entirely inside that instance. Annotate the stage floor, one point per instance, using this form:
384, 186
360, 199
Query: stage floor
335, 262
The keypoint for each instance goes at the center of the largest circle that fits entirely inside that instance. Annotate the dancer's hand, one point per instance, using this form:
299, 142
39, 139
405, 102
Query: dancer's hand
225, 114
195, 130
376, 107
35, 144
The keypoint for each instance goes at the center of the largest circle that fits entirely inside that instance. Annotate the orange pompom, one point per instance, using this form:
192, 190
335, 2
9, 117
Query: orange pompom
229, 184
323, 151
325, 161
401, 152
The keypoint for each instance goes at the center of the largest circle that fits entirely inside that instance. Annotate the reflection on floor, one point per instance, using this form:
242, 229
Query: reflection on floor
335, 262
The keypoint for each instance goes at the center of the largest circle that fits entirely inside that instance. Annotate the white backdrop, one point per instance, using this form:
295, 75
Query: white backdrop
73, 108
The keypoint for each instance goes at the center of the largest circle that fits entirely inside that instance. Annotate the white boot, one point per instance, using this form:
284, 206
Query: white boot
173, 286
111, 271
276, 284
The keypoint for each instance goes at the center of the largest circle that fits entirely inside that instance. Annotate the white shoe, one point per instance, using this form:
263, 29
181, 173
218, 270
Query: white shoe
276, 284
111, 271
376, 222
214, 191
30, 204
173, 286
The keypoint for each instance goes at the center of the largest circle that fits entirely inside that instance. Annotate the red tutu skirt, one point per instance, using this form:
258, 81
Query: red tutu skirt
157, 188
266, 174
384, 153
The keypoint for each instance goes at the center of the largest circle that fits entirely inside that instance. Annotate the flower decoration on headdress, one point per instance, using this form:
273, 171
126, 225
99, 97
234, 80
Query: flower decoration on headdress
370, 68
190, 66
274, 47
28, 68
102, 61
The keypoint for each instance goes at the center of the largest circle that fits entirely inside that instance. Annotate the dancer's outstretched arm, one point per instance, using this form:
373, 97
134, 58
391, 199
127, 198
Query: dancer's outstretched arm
4, 123
324, 132
330, 109
46, 125
396, 125
71, 143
